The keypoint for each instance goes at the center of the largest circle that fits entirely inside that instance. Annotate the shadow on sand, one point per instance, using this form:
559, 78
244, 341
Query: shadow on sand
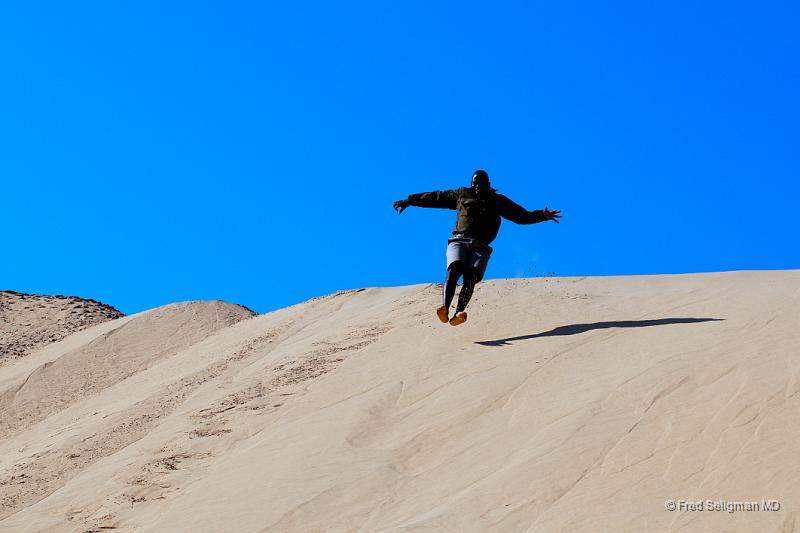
574, 329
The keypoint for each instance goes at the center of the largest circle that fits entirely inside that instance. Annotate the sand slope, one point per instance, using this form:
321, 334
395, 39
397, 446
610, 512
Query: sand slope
29, 322
564, 404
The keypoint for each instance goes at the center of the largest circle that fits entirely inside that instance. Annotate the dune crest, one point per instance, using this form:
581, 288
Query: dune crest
30, 321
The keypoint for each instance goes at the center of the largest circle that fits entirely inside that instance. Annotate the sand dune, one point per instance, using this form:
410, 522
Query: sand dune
563, 404
29, 322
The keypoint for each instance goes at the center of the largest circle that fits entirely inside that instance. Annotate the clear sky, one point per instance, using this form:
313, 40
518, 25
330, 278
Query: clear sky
153, 152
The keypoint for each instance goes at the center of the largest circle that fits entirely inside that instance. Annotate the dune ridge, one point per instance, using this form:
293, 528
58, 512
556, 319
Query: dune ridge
562, 404
30, 321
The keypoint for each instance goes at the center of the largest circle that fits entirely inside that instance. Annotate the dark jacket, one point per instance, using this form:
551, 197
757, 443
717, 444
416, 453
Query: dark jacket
478, 217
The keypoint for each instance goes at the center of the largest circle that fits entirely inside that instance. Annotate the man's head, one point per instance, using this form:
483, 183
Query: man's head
480, 182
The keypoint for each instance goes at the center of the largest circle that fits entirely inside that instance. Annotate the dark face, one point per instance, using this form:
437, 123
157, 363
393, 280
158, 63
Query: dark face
480, 185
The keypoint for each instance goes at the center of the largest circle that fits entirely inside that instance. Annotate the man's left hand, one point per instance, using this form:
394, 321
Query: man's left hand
552, 215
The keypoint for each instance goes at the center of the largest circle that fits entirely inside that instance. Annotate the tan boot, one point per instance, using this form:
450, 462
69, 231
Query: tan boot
442, 314
458, 318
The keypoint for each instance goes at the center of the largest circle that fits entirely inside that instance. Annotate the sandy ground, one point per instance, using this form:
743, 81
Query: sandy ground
563, 404
29, 322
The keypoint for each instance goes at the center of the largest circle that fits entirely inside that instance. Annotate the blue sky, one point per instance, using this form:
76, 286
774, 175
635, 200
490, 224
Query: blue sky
153, 152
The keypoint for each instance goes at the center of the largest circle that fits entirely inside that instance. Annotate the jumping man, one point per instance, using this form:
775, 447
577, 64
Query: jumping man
479, 210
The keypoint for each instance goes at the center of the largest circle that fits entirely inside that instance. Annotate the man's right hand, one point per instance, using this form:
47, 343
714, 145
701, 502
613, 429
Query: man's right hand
400, 206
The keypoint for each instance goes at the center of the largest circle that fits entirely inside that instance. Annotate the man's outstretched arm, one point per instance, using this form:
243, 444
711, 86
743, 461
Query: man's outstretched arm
518, 214
441, 199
